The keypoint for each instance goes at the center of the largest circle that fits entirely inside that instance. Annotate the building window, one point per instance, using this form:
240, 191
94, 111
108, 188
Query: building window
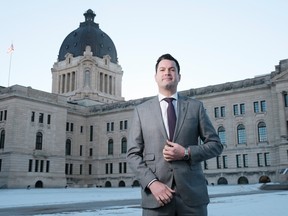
30, 166
239, 109
241, 134
123, 145
91, 133
216, 112
91, 152
66, 168
263, 159
260, 159
80, 169
36, 165
285, 97
120, 167
125, 167
39, 140
110, 147
81, 150
267, 159
41, 117
222, 134
238, 161
3, 115
68, 147
71, 127
125, 124
81, 129
242, 109
41, 165
256, 107
219, 112
110, 126
32, 116
262, 132
225, 163
263, 106
2, 139
222, 111
218, 162
121, 125
235, 109
49, 119
47, 166
245, 160
70, 169
111, 168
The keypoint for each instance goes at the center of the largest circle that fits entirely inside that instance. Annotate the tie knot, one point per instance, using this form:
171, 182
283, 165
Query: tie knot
169, 100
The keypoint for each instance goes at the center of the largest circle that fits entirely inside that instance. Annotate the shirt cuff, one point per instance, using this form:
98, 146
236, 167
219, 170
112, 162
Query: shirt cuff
151, 182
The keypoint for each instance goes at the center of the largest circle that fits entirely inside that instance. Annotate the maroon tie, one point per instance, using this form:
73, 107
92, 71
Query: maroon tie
171, 115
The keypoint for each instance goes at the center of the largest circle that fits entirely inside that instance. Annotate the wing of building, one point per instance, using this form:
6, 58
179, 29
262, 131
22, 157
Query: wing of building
77, 135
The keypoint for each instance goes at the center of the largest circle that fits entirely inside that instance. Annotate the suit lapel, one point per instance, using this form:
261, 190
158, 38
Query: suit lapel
182, 111
157, 115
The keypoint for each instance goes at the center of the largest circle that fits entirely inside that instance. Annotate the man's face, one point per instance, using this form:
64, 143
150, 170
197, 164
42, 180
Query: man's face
167, 76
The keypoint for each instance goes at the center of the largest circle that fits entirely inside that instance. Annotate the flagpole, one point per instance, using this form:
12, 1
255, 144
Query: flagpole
10, 51
9, 68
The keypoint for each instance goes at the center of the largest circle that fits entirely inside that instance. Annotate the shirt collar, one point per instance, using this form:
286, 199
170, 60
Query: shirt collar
161, 97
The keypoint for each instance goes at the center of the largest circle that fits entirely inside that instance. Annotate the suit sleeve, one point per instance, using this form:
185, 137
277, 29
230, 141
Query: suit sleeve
135, 158
211, 146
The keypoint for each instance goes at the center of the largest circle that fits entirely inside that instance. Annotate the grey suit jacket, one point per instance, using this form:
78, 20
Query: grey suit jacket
146, 140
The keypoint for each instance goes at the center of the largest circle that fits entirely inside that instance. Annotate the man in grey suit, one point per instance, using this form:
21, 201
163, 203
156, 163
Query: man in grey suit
167, 161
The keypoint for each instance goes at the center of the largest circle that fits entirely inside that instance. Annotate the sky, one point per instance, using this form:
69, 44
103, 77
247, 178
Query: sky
214, 41
264, 204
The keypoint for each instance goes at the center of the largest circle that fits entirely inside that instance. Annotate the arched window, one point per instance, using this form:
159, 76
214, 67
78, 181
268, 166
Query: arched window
262, 132
2, 139
68, 147
87, 78
241, 134
39, 141
222, 134
110, 147
123, 145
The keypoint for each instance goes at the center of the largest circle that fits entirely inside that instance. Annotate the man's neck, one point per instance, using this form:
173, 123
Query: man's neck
167, 93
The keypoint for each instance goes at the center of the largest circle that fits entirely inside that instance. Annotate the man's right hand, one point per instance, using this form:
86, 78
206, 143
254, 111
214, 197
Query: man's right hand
161, 192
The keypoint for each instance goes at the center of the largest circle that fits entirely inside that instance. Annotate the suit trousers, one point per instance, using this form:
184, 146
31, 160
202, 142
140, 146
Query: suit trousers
176, 208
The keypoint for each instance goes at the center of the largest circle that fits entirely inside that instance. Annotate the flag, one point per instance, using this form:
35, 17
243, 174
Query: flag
10, 49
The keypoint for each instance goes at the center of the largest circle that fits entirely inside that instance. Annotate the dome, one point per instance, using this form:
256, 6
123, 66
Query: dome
90, 34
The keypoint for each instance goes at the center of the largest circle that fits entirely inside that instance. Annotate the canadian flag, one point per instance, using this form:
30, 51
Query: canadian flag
10, 49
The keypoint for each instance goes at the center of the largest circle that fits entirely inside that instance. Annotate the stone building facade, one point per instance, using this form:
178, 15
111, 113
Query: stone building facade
77, 135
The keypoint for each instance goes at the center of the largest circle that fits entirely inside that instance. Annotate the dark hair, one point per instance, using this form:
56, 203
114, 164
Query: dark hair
168, 57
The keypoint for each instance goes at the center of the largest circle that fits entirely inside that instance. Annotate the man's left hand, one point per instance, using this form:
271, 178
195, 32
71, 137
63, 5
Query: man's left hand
173, 151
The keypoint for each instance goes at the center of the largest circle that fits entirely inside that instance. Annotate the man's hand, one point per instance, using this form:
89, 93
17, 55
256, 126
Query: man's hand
173, 151
161, 192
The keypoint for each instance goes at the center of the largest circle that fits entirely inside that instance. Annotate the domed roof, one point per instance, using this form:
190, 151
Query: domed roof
90, 34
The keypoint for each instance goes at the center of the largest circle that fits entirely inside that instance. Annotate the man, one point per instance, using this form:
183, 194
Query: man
166, 162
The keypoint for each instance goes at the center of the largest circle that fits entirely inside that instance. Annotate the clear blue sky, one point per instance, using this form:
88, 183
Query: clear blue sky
215, 41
